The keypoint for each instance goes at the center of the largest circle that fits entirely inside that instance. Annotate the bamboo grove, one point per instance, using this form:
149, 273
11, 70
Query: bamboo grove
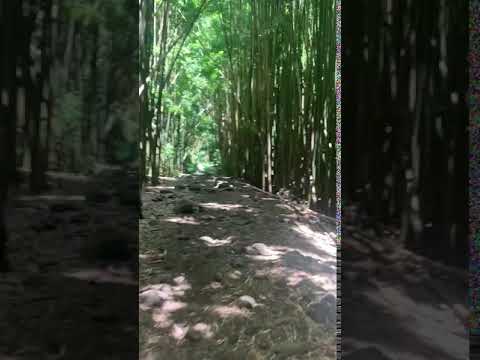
404, 141
248, 85
65, 75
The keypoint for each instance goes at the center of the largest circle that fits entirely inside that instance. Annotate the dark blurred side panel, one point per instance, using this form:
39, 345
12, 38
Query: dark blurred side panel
474, 191
404, 179
69, 190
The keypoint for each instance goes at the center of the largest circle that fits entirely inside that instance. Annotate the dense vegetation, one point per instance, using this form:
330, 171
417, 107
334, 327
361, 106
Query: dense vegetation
245, 88
405, 140
67, 100
70, 80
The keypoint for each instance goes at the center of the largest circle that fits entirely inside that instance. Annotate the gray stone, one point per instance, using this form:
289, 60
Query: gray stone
324, 311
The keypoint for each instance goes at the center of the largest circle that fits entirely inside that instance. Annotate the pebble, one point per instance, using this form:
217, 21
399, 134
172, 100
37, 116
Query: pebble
247, 301
151, 298
235, 275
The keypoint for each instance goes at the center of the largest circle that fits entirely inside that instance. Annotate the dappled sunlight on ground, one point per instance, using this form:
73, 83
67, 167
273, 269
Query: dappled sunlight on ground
188, 220
214, 285
179, 331
321, 240
252, 276
161, 319
164, 301
172, 306
324, 282
168, 188
157, 295
284, 207
166, 178
294, 265
218, 206
294, 277
268, 199
205, 330
230, 311
216, 242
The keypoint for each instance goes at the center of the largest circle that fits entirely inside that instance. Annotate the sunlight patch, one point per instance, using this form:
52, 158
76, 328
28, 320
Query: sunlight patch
179, 331
170, 306
296, 277
216, 242
161, 319
188, 220
166, 178
285, 207
262, 252
202, 329
230, 311
321, 241
215, 285
163, 188
324, 282
217, 206
162, 295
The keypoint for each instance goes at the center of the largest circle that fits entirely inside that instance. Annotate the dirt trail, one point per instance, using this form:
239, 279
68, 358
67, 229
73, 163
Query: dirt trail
397, 305
229, 272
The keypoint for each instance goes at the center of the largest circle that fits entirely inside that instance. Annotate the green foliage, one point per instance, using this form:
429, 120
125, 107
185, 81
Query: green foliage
190, 142
69, 112
87, 13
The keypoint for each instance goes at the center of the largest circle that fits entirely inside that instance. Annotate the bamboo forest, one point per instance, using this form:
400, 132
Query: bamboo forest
242, 88
238, 161
405, 179
236, 180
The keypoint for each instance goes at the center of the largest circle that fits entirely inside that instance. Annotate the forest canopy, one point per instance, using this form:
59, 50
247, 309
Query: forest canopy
242, 88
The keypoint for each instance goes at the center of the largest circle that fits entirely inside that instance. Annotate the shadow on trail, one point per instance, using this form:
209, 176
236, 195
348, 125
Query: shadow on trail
257, 273
72, 292
417, 304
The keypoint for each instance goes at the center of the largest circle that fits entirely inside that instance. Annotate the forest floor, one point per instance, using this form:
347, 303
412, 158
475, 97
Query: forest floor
63, 298
230, 272
397, 305
226, 272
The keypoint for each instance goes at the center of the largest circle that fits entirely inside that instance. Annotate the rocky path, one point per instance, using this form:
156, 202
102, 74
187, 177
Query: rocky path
229, 272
